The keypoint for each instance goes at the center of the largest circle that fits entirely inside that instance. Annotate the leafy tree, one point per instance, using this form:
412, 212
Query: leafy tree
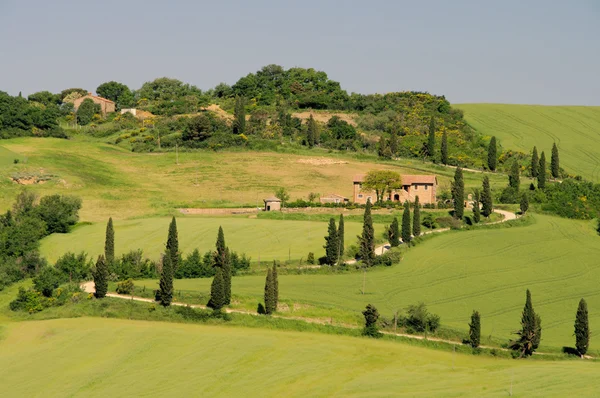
311, 132
492, 154
101, 277
173, 244
269, 293
582, 330
524, 205
382, 182
406, 230
217, 291
223, 261
431, 138
283, 195
444, 150
419, 319
239, 122
59, 212
47, 280
86, 111
416, 226
165, 283
109, 242
542, 172
514, 181
476, 206
530, 333
167, 90
486, 198
371, 316
199, 128
45, 98
535, 163
554, 162
342, 248
475, 329
331, 244
394, 143
66, 93
394, 233
458, 194
119, 93
367, 238
275, 285
341, 129
74, 267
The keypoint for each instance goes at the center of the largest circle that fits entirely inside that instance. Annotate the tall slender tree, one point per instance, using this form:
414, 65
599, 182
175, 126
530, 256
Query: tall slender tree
165, 291
371, 316
444, 149
223, 261
554, 162
367, 238
530, 333
406, 230
331, 243
217, 291
524, 205
101, 277
458, 194
492, 154
476, 206
535, 163
269, 293
275, 286
542, 172
342, 248
394, 233
393, 143
173, 244
239, 122
582, 329
416, 226
486, 198
514, 180
109, 242
431, 139
311, 131
475, 329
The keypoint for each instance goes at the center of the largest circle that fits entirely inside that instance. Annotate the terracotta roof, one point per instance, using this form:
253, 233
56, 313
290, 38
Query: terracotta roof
334, 195
407, 179
272, 199
90, 95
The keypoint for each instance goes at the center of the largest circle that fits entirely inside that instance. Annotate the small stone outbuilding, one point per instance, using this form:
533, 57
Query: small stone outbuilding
272, 203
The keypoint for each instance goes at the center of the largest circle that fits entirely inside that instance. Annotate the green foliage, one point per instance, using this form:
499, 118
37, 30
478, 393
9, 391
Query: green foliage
45, 98
476, 206
555, 162
371, 316
393, 233
59, 212
125, 287
582, 329
223, 261
282, 194
492, 155
165, 96
530, 333
310, 259
109, 242
270, 301
406, 229
475, 330
524, 205
199, 129
239, 122
74, 267
416, 226
573, 199
487, 206
312, 133
458, 194
514, 180
28, 300
86, 111
119, 93
275, 285
218, 298
19, 117
132, 265
431, 139
101, 277
535, 163
340, 235
444, 148
331, 244
541, 178
165, 292
382, 182
196, 265
418, 319
173, 245
47, 280
367, 238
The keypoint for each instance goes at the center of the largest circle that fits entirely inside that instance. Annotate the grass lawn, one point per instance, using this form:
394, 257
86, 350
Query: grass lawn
575, 129
457, 272
110, 357
115, 182
265, 239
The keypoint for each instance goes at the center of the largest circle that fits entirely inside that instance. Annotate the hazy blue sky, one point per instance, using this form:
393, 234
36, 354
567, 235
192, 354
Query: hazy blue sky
526, 51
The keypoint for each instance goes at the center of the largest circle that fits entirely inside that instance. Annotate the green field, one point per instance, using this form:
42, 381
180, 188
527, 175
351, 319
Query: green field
266, 240
456, 272
575, 129
118, 183
107, 357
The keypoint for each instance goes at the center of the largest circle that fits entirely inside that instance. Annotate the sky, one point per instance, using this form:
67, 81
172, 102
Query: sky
510, 51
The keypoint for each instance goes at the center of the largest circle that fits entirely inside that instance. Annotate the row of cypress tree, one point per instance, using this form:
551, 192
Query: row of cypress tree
334, 242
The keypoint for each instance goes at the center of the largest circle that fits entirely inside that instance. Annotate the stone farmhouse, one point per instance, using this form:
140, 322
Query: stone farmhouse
423, 186
106, 105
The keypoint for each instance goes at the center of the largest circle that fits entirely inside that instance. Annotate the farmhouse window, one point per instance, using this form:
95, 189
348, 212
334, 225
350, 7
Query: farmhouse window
426, 187
360, 195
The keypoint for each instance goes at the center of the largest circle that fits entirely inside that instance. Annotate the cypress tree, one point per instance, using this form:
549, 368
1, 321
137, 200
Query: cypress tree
492, 154
371, 316
535, 163
275, 287
582, 331
406, 231
239, 122
416, 226
394, 233
531, 328
165, 291
458, 194
331, 243
109, 242
538, 332
217, 291
223, 261
269, 293
367, 238
431, 139
173, 244
341, 237
101, 277
542, 172
524, 205
554, 162
486, 198
514, 181
475, 330
394, 143
444, 150
311, 131
476, 206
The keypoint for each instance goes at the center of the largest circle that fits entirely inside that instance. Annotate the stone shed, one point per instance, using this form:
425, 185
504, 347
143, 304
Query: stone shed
272, 203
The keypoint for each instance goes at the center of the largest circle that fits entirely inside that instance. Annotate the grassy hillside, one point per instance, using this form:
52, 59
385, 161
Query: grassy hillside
108, 357
264, 239
455, 273
115, 182
575, 129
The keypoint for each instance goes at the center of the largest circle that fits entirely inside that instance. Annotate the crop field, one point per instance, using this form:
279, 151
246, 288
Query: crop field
108, 357
457, 272
118, 183
266, 240
575, 129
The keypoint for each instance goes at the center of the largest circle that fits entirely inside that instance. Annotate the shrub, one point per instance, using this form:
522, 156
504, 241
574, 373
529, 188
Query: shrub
125, 287
27, 300
429, 221
310, 259
47, 280
59, 212
371, 316
419, 319
74, 267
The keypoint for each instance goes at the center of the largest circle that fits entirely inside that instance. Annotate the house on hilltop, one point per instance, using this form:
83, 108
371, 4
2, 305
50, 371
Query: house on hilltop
423, 186
106, 105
